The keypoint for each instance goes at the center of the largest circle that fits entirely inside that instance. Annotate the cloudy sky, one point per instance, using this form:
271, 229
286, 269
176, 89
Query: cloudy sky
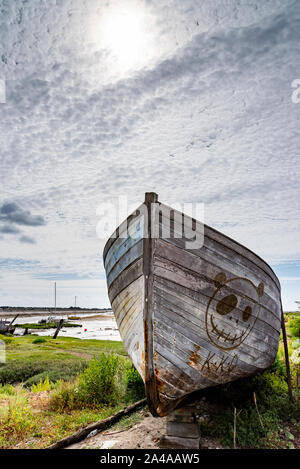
191, 99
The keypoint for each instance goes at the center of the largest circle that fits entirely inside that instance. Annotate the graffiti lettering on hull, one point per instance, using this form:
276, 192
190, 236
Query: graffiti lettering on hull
216, 367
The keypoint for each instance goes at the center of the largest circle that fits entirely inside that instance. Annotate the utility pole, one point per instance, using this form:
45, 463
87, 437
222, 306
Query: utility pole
55, 296
75, 300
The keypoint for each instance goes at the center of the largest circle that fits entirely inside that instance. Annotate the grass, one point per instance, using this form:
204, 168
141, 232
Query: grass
29, 359
23, 425
51, 388
128, 421
266, 425
258, 426
48, 325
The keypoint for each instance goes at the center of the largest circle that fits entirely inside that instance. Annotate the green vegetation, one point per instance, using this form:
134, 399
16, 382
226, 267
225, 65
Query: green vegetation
135, 389
128, 421
39, 340
294, 327
17, 420
101, 383
259, 425
42, 385
48, 325
264, 411
51, 388
30, 359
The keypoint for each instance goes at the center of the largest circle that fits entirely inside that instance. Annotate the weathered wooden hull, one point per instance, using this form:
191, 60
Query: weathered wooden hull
189, 318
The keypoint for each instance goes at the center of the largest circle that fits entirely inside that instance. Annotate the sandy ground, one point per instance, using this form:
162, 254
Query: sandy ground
144, 435
147, 434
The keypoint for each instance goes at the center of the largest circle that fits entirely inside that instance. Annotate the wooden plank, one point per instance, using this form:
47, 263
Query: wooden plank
179, 333
198, 303
198, 380
174, 328
195, 319
132, 255
121, 304
170, 376
148, 253
177, 330
226, 260
100, 425
176, 442
220, 238
201, 284
213, 262
182, 429
129, 275
128, 310
214, 249
195, 300
204, 373
119, 253
123, 243
121, 228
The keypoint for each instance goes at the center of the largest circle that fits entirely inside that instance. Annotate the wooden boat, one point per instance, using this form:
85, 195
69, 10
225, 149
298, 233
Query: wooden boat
190, 316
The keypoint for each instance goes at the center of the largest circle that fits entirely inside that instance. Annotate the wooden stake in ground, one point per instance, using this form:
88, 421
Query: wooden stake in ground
234, 428
10, 325
58, 328
260, 419
235, 415
287, 361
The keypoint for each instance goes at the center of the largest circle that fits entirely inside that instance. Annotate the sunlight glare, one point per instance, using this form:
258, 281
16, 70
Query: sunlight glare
125, 36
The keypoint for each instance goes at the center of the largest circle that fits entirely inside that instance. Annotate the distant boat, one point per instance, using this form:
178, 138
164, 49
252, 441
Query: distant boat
4, 325
191, 314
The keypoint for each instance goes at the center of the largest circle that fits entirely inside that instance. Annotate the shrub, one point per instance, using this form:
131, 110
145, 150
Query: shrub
7, 390
32, 372
294, 327
98, 384
39, 340
135, 388
65, 396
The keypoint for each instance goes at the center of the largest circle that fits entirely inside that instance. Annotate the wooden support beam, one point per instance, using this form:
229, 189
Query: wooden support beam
101, 425
182, 429
60, 324
11, 323
287, 361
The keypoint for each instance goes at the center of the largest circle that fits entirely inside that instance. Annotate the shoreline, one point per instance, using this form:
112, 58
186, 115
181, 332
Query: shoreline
23, 312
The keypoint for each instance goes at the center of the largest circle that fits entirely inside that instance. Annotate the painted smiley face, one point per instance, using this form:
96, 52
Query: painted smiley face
232, 311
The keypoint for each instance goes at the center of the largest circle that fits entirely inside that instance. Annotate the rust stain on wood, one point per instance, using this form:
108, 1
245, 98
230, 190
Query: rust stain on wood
194, 359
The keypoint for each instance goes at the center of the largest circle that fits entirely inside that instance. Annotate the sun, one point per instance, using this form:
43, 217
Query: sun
124, 34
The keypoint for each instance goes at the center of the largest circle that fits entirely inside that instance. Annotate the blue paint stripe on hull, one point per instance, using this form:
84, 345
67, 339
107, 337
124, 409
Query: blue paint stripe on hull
134, 253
